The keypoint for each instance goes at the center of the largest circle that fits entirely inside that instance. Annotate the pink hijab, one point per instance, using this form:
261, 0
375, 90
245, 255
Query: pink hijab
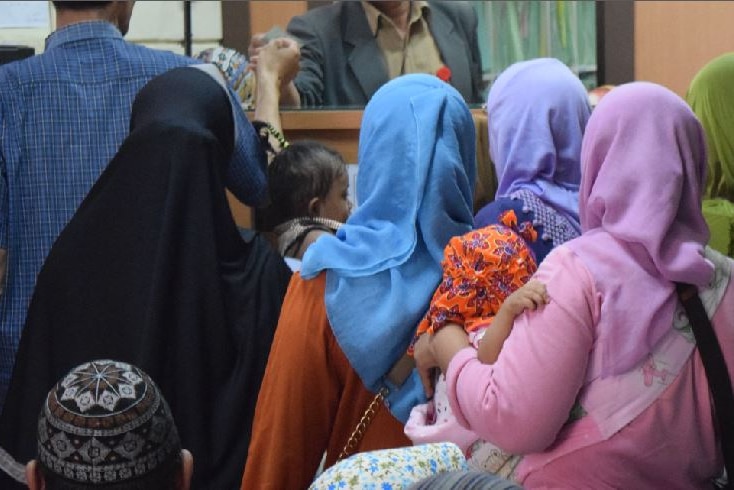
643, 162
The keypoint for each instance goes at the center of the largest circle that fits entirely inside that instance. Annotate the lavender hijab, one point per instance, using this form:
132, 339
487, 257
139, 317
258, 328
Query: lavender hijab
644, 169
537, 113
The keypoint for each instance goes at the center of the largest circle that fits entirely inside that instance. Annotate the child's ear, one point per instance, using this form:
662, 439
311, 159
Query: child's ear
314, 207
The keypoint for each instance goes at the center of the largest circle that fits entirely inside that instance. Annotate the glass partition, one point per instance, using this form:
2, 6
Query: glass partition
511, 31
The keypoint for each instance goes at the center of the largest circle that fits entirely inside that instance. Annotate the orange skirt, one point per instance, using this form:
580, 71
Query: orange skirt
311, 399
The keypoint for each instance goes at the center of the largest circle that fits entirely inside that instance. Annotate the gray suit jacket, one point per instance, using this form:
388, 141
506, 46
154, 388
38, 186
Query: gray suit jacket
341, 63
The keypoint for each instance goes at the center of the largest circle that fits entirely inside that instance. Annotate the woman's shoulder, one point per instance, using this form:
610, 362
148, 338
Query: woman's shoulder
573, 292
307, 293
719, 215
720, 285
296, 235
491, 213
563, 266
514, 213
309, 239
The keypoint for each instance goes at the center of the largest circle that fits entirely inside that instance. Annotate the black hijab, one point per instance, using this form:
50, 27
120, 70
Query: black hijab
152, 271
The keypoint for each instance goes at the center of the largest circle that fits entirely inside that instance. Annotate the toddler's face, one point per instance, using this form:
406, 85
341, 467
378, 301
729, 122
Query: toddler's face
335, 205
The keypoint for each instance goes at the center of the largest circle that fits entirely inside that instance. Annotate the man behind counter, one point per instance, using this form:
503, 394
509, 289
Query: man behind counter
350, 49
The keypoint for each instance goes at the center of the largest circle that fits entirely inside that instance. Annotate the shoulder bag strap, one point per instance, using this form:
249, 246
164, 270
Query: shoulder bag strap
716, 371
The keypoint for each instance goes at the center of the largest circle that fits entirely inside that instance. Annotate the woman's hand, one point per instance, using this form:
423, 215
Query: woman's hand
279, 57
436, 351
276, 63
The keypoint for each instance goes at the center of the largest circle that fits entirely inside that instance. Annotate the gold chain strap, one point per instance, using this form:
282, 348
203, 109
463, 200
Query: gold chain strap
364, 422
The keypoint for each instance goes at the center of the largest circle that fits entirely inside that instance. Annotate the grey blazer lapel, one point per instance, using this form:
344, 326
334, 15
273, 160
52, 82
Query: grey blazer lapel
454, 51
364, 58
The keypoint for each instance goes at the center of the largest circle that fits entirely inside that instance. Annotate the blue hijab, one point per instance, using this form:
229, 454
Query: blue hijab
414, 188
538, 110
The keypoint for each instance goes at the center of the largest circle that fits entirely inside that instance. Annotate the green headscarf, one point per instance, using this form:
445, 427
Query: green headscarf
719, 214
711, 96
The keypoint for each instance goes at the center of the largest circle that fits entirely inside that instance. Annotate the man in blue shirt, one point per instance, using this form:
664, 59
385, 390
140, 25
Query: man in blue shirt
63, 115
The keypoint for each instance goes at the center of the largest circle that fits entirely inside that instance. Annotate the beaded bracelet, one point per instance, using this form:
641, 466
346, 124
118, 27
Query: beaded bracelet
278, 136
264, 131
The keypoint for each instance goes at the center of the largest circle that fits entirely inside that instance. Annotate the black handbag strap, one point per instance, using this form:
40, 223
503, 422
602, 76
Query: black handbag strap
716, 371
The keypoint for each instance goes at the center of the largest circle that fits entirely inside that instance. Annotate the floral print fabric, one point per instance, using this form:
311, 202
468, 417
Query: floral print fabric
235, 68
390, 469
480, 270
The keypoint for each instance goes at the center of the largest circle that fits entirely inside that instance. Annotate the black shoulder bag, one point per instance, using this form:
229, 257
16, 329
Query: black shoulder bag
716, 372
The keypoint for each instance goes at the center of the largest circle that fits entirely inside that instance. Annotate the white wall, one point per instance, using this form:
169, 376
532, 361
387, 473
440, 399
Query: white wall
158, 24
33, 37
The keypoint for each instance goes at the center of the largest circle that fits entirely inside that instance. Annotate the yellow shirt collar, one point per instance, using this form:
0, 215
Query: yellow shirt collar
418, 8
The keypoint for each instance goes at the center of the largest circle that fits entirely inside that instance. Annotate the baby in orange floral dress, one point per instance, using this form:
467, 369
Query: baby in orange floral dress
485, 285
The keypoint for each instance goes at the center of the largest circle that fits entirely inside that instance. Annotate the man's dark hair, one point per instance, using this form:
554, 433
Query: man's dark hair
79, 5
304, 170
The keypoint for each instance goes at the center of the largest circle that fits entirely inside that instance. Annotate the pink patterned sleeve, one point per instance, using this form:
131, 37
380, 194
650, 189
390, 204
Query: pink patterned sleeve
520, 402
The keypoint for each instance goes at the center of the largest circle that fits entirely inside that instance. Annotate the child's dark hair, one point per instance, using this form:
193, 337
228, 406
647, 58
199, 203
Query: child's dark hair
302, 171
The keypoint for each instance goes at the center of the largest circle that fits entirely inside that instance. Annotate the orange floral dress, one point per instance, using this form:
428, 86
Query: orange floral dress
480, 269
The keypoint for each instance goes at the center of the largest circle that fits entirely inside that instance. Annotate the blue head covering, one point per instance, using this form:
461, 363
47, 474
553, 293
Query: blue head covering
414, 189
537, 114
